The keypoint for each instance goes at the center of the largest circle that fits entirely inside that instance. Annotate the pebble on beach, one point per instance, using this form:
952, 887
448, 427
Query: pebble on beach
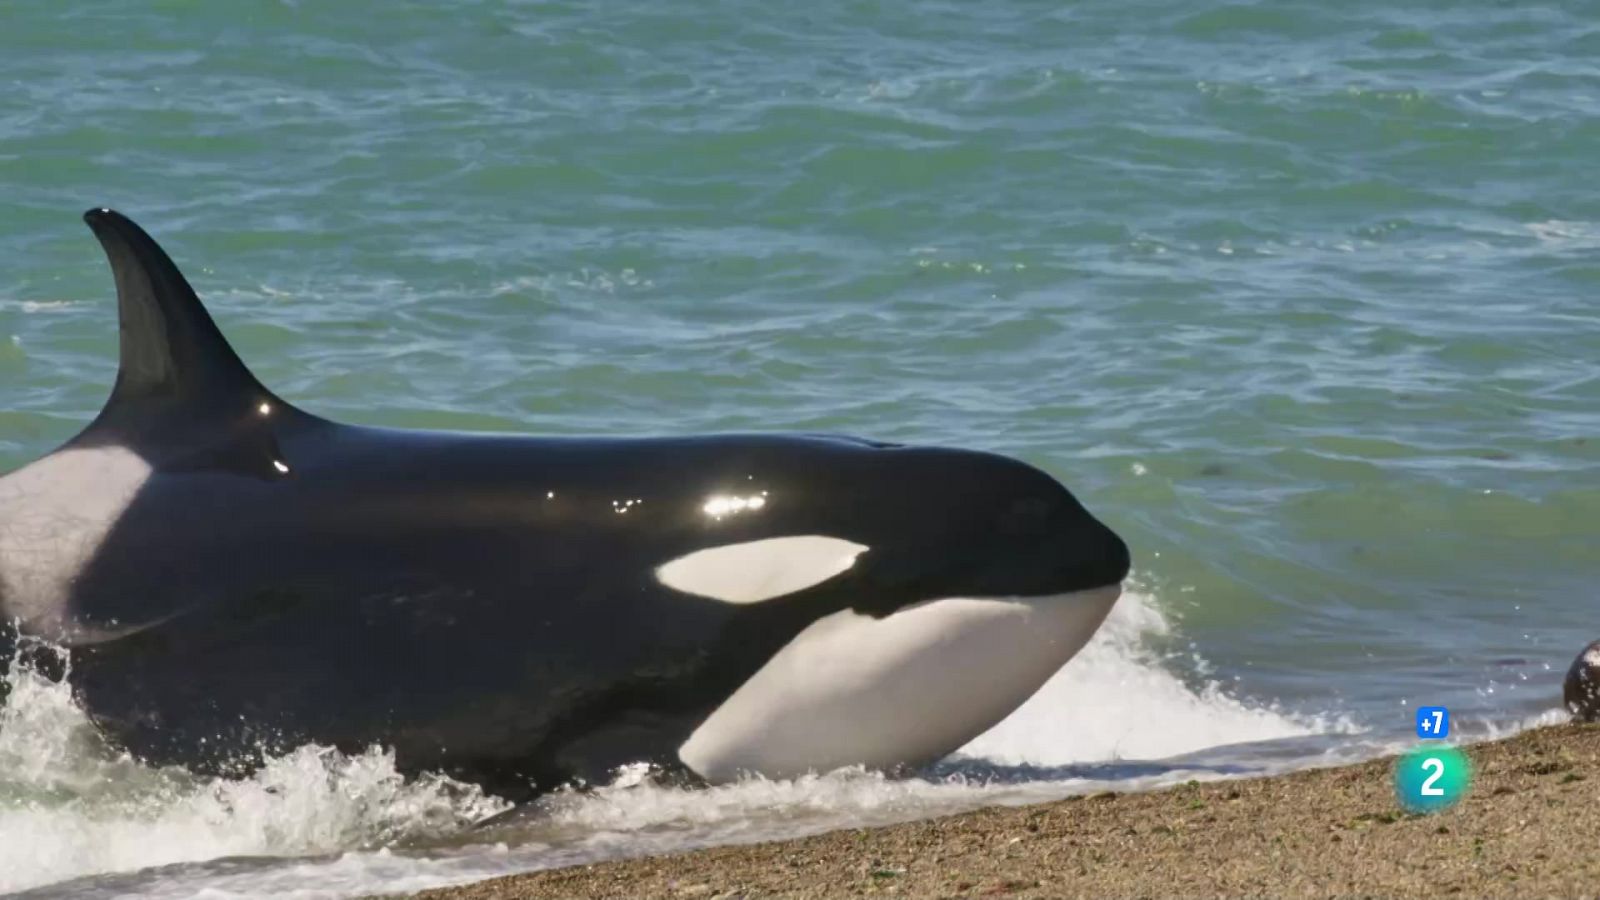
1582, 693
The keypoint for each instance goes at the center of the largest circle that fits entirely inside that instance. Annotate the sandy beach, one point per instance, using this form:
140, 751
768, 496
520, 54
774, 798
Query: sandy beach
1529, 827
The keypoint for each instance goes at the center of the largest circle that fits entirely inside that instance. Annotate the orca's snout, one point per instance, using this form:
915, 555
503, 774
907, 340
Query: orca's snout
971, 524
1053, 540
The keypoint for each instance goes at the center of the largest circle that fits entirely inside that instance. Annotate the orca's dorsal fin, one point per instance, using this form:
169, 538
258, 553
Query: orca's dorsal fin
183, 400
172, 352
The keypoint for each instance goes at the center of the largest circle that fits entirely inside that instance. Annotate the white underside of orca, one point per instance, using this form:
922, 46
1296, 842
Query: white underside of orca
912, 686
54, 514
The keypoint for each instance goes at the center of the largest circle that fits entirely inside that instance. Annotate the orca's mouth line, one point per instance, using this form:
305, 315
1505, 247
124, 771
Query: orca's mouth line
745, 573
1044, 595
1079, 596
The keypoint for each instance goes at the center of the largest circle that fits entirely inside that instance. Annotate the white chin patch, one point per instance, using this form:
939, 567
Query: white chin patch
760, 570
905, 689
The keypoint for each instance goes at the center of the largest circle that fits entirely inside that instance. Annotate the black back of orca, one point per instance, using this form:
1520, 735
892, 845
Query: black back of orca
235, 576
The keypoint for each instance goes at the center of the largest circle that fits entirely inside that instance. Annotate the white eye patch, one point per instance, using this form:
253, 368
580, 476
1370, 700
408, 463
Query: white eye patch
760, 570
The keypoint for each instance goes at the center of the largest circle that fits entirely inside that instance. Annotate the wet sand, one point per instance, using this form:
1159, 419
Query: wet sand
1529, 827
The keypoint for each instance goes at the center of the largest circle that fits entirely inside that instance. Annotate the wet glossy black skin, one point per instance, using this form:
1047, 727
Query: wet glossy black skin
1581, 690
487, 605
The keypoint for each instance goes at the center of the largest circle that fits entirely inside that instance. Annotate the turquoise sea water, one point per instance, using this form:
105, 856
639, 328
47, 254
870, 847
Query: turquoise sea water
1299, 297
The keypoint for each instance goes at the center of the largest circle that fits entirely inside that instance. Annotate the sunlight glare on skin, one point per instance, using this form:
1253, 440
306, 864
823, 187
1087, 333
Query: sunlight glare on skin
719, 505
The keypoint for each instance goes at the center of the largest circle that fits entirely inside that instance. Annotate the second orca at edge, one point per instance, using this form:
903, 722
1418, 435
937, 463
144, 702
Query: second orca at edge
232, 577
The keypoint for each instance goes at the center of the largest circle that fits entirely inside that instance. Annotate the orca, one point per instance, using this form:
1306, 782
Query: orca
1581, 690
230, 576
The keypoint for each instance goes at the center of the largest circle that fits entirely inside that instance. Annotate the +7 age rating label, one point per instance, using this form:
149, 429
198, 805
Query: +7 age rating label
1433, 722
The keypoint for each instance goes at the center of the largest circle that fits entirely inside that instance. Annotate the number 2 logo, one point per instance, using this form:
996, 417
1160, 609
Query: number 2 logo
1436, 766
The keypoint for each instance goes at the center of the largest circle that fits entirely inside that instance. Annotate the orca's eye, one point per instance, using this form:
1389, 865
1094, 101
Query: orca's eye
1026, 516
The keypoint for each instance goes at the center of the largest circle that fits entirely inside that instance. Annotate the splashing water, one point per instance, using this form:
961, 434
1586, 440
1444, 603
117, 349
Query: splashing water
321, 823
70, 806
1116, 701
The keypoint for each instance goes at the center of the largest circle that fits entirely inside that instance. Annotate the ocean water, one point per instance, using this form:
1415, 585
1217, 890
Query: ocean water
1299, 297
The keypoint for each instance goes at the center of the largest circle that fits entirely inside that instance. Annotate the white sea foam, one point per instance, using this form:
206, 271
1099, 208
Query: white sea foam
1114, 700
69, 806
38, 306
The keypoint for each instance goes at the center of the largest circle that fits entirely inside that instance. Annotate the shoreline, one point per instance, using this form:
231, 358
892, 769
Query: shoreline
1527, 827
